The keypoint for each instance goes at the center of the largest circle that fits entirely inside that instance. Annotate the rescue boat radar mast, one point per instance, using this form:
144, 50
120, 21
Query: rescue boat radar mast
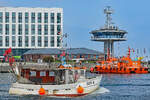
108, 34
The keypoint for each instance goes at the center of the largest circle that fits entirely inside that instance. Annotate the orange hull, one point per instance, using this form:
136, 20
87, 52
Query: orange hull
121, 70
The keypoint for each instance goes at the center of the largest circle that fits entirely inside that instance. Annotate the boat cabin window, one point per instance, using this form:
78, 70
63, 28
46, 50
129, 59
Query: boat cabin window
32, 73
82, 72
42, 73
51, 74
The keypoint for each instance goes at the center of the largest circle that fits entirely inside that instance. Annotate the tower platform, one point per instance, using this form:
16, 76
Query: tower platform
108, 34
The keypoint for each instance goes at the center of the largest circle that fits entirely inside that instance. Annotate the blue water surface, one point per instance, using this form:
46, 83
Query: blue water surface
113, 87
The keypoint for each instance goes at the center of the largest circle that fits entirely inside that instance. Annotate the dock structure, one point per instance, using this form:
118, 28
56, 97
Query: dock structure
108, 34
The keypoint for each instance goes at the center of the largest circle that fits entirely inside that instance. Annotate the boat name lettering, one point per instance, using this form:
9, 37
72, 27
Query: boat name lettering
90, 83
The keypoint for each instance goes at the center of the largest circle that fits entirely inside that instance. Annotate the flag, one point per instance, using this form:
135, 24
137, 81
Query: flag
63, 53
144, 50
9, 51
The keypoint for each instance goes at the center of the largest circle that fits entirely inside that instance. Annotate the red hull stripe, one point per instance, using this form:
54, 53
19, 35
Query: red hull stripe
68, 95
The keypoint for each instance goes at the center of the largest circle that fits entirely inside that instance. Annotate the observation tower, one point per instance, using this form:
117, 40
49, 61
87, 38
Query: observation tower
108, 34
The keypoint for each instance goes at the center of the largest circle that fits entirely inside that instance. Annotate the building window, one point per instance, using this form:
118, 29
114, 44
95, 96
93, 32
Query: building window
32, 17
26, 29
52, 41
42, 73
51, 73
58, 29
20, 29
52, 18
19, 41
1, 17
13, 29
26, 41
7, 41
39, 18
1, 41
45, 17
13, 17
13, 41
26, 17
58, 17
58, 41
39, 29
19, 17
32, 29
7, 29
45, 41
45, 29
1, 29
33, 41
32, 73
6, 17
52, 29
39, 41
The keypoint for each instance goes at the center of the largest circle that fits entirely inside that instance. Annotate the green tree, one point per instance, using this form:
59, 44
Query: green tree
48, 59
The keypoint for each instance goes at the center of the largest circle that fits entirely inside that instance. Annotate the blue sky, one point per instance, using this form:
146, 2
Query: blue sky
83, 16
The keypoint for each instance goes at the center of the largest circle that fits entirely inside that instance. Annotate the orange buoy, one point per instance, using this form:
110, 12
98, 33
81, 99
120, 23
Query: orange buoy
80, 89
41, 91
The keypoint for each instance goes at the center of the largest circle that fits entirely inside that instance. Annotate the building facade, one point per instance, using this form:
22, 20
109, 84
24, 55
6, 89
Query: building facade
23, 28
70, 54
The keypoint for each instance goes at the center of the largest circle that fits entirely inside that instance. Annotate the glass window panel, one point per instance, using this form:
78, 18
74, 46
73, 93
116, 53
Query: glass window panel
26, 17
7, 17
13, 41
7, 41
39, 29
33, 41
52, 41
13, 17
1, 29
32, 73
13, 29
39, 18
26, 29
42, 73
52, 29
58, 41
20, 29
58, 17
7, 29
19, 17
45, 17
1, 41
19, 41
26, 41
1, 17
39, 41
45, 29
32, 17
58, 29
46, 41
52, 18
33, 29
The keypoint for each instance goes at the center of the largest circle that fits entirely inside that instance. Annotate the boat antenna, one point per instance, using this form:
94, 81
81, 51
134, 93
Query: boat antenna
108, 11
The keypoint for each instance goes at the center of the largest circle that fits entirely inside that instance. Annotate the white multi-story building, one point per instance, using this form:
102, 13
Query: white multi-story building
29, 28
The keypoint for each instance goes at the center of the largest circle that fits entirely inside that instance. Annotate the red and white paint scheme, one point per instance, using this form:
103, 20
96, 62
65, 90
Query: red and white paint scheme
60, 82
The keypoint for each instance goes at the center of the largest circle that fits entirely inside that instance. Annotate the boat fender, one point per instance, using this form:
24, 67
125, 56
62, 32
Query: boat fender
41, 91
80, 89
91, 69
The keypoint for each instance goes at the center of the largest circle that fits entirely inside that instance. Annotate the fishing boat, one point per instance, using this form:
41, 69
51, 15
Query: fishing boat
122, 65
61, 81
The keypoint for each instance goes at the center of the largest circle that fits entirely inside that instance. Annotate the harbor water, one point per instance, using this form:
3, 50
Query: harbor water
113, 87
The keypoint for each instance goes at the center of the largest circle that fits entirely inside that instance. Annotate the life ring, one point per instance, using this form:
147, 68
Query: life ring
80, 89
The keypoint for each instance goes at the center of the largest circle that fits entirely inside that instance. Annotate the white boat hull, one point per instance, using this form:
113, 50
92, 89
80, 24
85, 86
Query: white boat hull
65, 90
